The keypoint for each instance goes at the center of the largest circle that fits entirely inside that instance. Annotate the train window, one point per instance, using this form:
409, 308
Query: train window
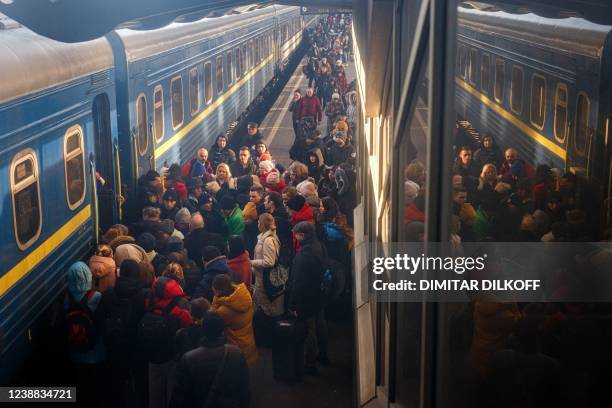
516, 90
141, 122
561, 112
582, 122
74, 166
238, 62
500, 80
243, 55
219, 75
462, 62
176, 101
158, 113
250, 55
257, 48
473, 66
194, 91
538, 101
25, 189
208, 93
230, 70
485, 71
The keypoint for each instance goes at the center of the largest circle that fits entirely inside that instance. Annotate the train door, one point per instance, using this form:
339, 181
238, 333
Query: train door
105, 184
141, 137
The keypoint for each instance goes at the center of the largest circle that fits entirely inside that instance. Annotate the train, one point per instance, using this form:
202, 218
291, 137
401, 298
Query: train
115, 107
540, 85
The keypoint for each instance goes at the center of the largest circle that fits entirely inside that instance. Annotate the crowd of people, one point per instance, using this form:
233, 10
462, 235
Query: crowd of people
172, 307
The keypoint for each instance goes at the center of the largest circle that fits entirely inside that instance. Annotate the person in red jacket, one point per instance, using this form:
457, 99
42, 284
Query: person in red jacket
299, 211
310, 105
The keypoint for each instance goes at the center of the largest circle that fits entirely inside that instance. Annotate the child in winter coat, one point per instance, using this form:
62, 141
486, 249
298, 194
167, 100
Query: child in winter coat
103, 268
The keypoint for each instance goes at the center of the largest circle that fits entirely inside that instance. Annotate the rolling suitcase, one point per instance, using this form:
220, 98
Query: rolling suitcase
288, 350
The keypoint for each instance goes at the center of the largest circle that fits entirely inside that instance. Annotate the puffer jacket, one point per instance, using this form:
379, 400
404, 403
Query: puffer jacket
104, 271
163, 292
237, 313
235, 223
242, 266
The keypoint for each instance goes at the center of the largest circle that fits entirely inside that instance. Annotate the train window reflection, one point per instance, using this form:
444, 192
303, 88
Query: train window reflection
516, 90
243, 56
141, 122
194, 91
250, 54
238, 62
257, 48
582, 122
485, 72
473, 66
208, 94
219, 75
25, 188
176, 101
74, 166
158, 113
538, 100
500, 80
230, 71
462, 61
561, 112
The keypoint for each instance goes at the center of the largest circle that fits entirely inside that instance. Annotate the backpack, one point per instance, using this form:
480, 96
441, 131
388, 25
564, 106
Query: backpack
156, 332
116, 334
81, 332
186, 170
334, 279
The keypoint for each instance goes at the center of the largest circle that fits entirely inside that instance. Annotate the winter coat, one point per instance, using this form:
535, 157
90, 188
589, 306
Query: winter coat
238, 170
169, 214
472, 170
306, 274
104, 271
182, 191
213, 268
198, 239
214, 222
304, 214
335, 241
237, 313
294, 108
196, 372
310, 106
332, 110
217, 156
338, 155
199, 169
127, 289
235, 223
266, 254
412, 213
163, 292
241, 265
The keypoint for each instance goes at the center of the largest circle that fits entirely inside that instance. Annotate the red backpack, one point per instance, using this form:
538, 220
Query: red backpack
81, 333
186, 170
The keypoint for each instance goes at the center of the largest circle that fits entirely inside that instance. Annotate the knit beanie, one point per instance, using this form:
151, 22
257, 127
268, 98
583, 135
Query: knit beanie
146, 241
182, 216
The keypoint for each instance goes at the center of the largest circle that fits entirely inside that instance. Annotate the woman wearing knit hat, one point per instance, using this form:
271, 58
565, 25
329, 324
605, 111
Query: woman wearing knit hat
308, 190
274, 182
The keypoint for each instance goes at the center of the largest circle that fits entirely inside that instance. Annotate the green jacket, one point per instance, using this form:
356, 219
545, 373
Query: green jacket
482, 225
235, 223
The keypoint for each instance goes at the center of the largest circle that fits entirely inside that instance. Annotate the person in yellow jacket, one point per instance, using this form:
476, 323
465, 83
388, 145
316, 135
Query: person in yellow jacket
235, 305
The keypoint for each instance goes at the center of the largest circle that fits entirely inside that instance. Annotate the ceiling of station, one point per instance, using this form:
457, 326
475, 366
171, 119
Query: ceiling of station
79, 20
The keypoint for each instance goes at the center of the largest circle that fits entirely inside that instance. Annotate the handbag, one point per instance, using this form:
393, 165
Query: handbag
275, 279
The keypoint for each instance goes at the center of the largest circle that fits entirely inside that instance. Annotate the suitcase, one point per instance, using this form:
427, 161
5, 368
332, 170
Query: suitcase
288, 350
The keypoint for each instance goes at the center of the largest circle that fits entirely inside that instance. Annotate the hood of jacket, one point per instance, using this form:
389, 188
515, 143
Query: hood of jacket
317, 152
218, 265
79, 280
240, 301
126, 288
305, 214
101, 266
129, 251
165, 289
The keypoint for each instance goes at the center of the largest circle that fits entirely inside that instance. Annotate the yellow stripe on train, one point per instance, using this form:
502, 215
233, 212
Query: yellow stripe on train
38, 255
164, 147
541, 139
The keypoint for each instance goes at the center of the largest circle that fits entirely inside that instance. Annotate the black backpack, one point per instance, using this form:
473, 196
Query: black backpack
81, 332
116, 334
156, 332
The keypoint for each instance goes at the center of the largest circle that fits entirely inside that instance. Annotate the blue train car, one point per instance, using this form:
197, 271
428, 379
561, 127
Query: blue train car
181, 85
57, 102
540, 85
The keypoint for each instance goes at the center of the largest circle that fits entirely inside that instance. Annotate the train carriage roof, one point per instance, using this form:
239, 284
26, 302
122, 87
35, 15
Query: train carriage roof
142, 44
574, 35
31, 62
